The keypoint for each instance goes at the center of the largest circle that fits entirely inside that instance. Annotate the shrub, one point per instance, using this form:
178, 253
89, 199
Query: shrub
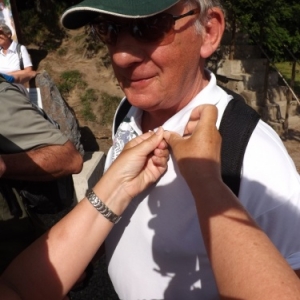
109, 106
86, 99
68, 80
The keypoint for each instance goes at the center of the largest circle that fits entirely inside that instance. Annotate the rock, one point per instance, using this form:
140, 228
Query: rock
58, 109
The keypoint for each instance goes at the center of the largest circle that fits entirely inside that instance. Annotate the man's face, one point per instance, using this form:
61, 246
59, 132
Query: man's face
159, 78
4, 39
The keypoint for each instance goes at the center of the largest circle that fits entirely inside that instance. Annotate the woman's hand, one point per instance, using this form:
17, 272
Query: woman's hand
201, 151
193, 121
141, 163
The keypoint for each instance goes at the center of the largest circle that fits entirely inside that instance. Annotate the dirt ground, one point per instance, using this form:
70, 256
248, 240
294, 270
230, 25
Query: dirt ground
99, 75
96, 72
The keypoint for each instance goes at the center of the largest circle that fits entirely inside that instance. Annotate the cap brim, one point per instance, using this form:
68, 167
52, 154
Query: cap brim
81, 14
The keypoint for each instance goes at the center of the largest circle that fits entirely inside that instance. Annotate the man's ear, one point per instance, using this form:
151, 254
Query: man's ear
212, 32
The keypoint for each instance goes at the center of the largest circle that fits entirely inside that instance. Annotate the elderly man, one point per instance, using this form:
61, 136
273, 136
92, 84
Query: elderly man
10, 57
32, 149
158, 50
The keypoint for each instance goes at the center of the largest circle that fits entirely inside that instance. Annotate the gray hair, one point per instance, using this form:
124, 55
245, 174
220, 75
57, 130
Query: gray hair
6, 30
204, 6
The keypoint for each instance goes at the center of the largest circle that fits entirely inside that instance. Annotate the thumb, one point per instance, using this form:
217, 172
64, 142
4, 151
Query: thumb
148, 145
172, 138
208, 115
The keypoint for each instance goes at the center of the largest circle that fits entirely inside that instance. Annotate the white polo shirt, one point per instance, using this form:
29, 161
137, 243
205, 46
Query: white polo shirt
156, 251
10, 62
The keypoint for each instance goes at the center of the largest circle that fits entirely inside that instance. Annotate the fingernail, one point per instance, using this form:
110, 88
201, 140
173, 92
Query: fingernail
159, 130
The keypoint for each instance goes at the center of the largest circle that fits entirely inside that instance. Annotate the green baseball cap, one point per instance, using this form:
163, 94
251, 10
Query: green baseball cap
82, 13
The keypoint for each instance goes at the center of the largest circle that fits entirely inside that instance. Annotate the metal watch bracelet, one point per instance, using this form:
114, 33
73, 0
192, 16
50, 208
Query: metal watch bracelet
101, 207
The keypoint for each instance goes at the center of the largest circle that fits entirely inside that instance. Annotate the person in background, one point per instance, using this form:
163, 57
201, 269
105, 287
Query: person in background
248, 267
10, 59
31, 149
158, 51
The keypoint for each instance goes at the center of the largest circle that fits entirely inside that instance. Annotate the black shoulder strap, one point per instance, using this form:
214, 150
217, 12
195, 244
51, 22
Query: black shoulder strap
20, 56
237, 125
121, 113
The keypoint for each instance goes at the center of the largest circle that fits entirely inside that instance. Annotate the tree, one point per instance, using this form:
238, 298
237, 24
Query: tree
274, 24
39, 21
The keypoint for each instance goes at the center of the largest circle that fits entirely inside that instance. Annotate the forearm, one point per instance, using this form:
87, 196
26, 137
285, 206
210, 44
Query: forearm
245, 262
54, 263
50, 266
22, 76
42, 164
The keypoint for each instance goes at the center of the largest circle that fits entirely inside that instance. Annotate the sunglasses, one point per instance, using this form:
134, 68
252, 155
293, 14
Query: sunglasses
158, 29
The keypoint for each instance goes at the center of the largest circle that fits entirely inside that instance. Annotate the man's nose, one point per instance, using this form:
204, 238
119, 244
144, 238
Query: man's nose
127, 51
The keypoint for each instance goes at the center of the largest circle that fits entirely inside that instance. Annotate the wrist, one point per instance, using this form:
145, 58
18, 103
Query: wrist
112, 194
103, 209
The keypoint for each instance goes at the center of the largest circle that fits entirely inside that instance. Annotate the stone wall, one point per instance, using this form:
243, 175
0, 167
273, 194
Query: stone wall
248, 74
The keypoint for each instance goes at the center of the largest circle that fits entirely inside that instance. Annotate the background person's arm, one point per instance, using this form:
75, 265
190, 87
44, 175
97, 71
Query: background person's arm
49, 267
32, 148
43, 163
23, 76
245, 262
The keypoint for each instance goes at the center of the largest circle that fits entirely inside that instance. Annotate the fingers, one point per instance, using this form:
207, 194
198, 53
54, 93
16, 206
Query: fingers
196, 116
172, 138
147, 142
139, 139
163, 145
205, 136
160, 157
208, 115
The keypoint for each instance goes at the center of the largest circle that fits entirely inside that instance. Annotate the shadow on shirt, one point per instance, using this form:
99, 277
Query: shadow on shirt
177, 245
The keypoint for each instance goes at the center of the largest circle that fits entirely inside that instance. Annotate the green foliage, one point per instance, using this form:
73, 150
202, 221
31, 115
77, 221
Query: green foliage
86, 99
41, 31
274, 24
106, 60
79, 38
69, 80
109, 106
40, 22
89, 96
62, 51
286, 70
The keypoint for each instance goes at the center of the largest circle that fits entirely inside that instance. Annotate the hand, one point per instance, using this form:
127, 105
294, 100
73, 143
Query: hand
193, 121
200, 153
141, 163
